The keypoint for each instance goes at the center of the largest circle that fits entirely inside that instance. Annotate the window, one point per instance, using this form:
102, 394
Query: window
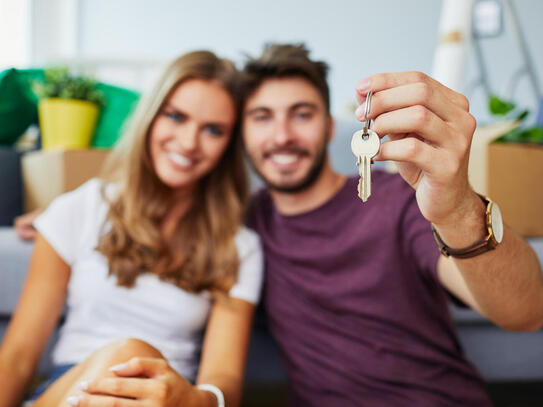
14, 33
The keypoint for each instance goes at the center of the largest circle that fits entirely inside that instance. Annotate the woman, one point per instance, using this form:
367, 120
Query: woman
154, 252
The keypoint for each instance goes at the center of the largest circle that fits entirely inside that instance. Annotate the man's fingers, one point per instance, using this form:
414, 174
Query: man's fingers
414, 119
409, 150
26, 233
412, 94
383, 81
139, 366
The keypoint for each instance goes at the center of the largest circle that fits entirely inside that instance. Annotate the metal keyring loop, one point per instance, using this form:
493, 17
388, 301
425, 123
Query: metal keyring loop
367, 123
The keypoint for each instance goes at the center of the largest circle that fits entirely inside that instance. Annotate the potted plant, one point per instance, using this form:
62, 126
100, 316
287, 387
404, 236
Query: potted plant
68, 109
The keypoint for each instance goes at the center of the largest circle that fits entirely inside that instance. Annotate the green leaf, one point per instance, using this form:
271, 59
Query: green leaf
512, 136
498, 106
522, 115
523, 135
533, 134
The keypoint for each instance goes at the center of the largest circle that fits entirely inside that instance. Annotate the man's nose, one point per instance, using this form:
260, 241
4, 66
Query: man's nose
283, 133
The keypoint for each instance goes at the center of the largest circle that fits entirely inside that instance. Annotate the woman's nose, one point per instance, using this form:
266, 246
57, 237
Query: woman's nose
188, 138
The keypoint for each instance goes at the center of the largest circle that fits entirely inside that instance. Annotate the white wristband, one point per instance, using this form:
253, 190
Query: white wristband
215, 390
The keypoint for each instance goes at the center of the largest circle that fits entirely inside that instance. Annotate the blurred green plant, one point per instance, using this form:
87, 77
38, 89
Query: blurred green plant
58, 83
519, 134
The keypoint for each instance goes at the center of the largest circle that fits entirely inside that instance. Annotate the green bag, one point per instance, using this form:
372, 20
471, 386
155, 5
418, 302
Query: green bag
119, 104
18, 106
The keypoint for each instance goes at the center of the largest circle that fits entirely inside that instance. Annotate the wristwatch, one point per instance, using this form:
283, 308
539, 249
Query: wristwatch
494, 226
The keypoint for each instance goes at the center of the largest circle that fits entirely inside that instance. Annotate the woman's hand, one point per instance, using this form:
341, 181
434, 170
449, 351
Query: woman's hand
141, 382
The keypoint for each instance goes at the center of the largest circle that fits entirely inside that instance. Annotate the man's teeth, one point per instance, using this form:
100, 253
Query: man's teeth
284, 158
179, 159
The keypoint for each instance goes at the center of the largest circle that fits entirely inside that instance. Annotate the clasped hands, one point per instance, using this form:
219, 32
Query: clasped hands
139, 382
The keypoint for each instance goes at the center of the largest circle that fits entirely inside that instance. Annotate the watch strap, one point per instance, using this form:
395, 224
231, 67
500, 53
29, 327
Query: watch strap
475, 249
464, 253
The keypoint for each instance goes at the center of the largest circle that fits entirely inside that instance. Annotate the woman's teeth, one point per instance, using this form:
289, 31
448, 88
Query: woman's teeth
179, 159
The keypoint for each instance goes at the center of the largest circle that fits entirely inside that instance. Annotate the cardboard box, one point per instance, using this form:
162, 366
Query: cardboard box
515, 182
478, 160
48, 174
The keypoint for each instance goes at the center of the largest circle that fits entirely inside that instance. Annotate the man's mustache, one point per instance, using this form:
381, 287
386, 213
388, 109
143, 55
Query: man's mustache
285, 150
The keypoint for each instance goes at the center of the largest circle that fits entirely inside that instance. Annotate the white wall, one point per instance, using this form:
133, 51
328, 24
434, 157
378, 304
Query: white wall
357, 37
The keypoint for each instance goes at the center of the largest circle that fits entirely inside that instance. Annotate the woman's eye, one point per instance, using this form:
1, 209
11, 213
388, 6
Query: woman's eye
176, 117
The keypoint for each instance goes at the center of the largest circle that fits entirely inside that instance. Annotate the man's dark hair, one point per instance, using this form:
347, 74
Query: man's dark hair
285, 61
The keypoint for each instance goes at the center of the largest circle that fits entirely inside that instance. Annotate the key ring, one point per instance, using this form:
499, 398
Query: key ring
367, 124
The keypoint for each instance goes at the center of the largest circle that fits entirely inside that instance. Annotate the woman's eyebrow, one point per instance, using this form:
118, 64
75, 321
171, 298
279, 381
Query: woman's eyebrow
169, 106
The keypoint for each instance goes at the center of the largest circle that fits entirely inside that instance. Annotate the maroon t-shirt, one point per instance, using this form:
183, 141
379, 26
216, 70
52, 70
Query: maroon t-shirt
354, 302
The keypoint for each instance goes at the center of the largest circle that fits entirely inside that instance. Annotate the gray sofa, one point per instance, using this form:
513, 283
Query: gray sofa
499, 355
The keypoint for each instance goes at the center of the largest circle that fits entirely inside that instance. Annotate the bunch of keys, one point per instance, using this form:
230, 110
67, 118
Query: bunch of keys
365, 145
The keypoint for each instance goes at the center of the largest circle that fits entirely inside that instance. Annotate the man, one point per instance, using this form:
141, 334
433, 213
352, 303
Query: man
356, 293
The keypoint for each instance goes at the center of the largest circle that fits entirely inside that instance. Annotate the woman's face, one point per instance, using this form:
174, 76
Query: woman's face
191, 132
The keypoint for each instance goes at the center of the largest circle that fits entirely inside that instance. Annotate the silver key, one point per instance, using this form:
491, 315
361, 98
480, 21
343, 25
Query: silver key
365, 145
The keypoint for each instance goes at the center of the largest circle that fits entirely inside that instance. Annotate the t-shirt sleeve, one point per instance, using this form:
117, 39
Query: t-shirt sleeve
422, 247
61, 223
251, 268
418, 240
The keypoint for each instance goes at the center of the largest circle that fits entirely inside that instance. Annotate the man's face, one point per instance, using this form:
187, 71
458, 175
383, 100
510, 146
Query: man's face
286, 129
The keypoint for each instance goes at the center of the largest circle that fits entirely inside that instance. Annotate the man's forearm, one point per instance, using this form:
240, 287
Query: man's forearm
506, 282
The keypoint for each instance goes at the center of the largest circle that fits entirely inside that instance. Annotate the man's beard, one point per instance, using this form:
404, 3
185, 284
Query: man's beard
306, 182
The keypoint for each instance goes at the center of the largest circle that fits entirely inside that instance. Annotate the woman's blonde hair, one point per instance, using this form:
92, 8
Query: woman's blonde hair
201, 253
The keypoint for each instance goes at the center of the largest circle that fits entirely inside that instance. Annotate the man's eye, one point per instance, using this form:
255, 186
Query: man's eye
261, 118
215, 131
304, 115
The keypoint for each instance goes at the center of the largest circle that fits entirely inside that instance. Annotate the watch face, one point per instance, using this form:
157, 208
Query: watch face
496, 222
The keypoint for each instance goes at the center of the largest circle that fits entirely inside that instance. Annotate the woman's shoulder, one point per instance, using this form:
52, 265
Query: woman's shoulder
247, 241
251, 268
84, 202
91, 191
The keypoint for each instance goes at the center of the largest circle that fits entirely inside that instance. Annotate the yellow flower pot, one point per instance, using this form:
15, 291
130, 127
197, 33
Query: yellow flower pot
67, 124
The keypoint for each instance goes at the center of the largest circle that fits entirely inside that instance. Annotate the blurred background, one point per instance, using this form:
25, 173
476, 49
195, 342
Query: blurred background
358, 38
490, 50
